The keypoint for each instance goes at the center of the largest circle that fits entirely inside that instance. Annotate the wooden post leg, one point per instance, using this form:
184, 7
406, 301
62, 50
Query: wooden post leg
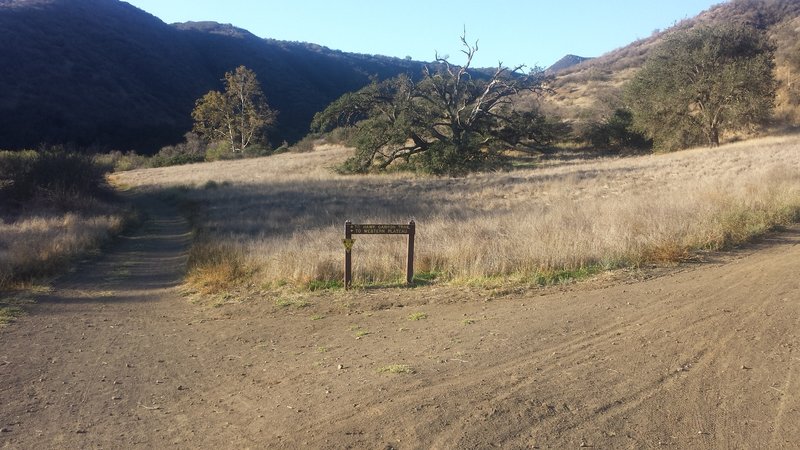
410, 260
348, 261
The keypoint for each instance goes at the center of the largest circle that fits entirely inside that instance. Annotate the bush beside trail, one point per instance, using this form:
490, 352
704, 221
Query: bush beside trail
55, 205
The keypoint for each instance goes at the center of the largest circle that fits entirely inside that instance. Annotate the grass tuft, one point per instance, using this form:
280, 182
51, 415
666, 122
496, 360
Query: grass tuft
9, 314
397, 369
215, 269
322, 285
563, 276
293, 302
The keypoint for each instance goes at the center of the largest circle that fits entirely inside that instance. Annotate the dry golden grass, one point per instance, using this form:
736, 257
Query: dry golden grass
40, 242
280, 219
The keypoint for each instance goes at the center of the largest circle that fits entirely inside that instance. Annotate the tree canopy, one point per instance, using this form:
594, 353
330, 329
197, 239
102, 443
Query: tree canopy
702, 82
453, 120
239, 116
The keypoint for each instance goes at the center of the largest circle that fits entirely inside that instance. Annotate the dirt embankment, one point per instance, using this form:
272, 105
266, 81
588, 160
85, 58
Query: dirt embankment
706, 356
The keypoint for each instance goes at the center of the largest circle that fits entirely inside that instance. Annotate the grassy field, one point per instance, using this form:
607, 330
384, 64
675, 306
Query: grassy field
279, 220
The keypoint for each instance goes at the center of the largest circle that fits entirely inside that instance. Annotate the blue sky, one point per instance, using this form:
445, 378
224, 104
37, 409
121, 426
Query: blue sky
530, 32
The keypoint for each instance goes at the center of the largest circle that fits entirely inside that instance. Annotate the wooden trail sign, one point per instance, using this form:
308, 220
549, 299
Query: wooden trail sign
376, 228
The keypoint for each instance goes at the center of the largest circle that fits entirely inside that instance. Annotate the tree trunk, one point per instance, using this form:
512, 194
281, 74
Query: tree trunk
713, 137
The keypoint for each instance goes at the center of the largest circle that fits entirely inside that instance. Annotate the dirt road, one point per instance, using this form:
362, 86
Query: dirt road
705, 356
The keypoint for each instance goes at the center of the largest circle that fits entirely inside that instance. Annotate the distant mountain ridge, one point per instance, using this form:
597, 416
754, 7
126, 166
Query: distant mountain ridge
105, 73
565, 63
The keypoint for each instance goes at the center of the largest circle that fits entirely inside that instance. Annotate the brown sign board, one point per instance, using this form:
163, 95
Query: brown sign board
376, 228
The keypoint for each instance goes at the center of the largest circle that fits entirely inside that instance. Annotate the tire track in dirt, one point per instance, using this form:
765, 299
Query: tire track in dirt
785, 404
700, 345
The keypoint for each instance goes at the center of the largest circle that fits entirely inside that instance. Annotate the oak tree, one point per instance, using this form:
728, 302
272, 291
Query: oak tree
703, 82
453, 120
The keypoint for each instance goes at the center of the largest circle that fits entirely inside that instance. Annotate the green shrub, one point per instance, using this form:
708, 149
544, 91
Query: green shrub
617, 133
256, 151
162, 161
119, 162
192, 150
444, 158
219, 151
342, 135
52, 174
306, 144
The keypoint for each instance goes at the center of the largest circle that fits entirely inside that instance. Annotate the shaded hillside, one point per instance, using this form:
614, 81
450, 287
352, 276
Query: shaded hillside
591, 90
104, 73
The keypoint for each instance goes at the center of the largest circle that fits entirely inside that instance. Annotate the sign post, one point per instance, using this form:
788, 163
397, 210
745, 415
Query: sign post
348, 254
374, 228
410, 258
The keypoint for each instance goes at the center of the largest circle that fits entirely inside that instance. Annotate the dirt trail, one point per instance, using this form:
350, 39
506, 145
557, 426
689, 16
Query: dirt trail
704, 357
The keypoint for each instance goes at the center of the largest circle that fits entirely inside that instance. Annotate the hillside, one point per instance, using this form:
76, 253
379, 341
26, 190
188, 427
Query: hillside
104, 73
591, 89
565, 63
